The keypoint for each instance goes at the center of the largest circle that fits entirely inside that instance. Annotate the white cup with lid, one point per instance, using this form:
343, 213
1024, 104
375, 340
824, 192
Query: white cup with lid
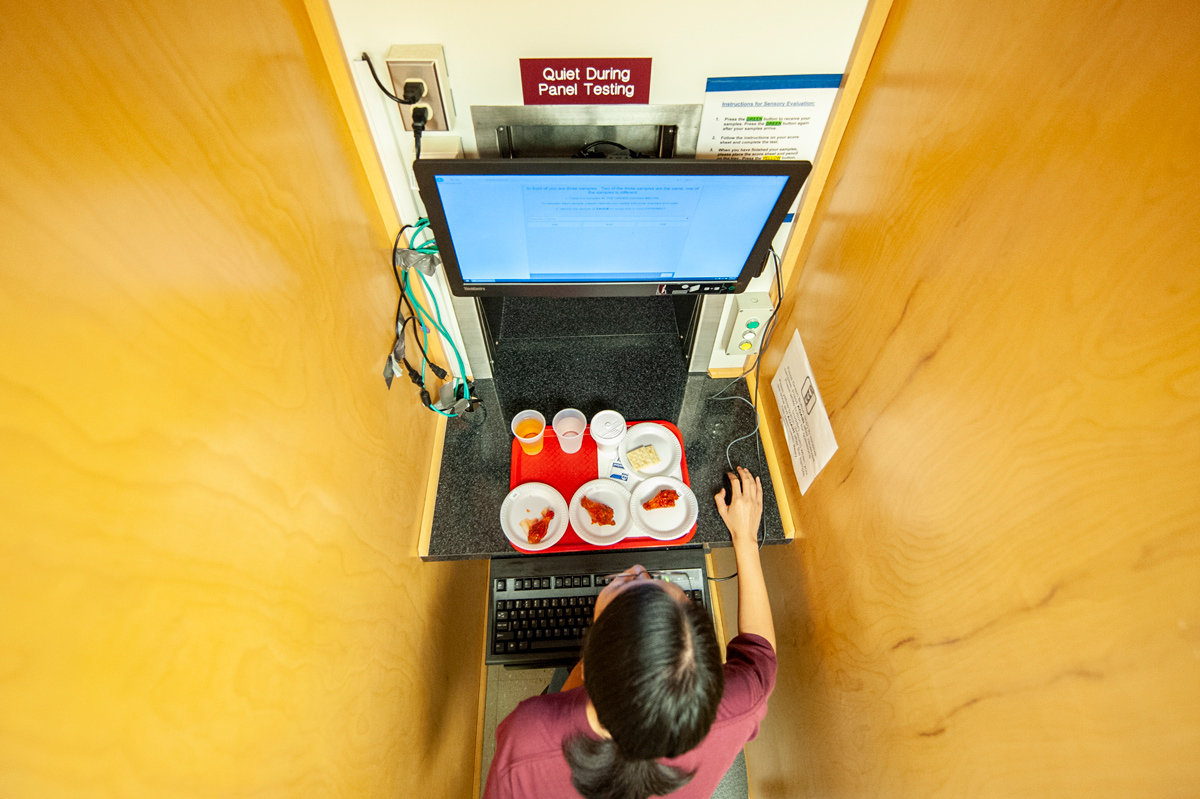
607, 430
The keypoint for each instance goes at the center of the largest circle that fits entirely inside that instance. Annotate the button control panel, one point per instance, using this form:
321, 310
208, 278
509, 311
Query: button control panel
747, 322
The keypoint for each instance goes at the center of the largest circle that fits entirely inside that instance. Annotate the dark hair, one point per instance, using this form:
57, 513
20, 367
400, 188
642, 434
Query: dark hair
652, 668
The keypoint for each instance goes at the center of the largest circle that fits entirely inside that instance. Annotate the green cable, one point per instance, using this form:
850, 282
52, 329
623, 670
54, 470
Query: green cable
429, 246
462, 367
422, 224
438, 325
437, 310
425, 341
424, 314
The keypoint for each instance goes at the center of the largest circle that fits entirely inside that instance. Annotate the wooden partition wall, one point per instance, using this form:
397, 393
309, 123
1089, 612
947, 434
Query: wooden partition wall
998, 588
209, 500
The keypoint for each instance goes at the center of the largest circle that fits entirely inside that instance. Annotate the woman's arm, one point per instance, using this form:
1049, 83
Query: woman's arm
742, 516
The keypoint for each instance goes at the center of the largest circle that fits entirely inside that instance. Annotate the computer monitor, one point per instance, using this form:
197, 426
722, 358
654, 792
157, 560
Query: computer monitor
605, 227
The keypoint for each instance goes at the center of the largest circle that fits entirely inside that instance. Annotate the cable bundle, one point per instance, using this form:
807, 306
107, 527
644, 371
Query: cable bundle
461, 398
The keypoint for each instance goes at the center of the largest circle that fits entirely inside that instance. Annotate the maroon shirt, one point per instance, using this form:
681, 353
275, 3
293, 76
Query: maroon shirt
529, 759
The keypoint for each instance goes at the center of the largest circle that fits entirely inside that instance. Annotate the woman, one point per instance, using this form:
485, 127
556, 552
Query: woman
650, 710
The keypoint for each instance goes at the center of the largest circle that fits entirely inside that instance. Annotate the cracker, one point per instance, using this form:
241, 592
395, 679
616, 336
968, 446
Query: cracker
642, 457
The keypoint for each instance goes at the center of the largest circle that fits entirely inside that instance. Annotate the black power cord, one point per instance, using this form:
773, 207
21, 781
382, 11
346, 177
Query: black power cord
414, 90
769, 328
420, 117
756, 368
412, 315
466, 400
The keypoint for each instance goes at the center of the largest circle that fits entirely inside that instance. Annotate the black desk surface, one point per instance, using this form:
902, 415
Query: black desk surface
476, 462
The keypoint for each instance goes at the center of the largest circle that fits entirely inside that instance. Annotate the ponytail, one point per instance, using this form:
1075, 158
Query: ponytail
599, 771
654, 676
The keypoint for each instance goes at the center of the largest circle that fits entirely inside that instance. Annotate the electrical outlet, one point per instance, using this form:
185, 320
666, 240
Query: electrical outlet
427, 63
750, 313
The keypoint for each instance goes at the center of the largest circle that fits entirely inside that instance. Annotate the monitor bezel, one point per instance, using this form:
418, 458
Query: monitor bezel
795, 171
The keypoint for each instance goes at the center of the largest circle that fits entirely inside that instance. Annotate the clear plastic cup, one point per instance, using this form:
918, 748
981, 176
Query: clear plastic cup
608, 429
569, 425
529, 427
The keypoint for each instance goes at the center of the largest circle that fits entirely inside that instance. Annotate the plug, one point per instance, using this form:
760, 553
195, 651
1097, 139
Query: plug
414, 90
437, 370
420, 116
414, 376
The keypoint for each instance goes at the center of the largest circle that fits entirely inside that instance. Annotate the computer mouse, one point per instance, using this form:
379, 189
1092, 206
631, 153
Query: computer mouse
728, 486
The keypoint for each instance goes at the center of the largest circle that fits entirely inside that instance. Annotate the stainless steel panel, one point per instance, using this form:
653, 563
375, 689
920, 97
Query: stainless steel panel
563, 141
547, 128
466, 312
706, 332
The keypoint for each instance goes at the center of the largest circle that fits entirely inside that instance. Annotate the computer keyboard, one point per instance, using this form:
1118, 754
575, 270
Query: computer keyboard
541, 607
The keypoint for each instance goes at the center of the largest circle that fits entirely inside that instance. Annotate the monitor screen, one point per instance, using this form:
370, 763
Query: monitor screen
585, 227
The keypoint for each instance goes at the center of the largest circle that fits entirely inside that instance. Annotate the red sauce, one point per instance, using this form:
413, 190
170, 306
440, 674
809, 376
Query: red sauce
539, 528
601, 514
663, 499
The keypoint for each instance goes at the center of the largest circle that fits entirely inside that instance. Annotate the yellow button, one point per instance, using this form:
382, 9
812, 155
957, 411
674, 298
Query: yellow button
745, 345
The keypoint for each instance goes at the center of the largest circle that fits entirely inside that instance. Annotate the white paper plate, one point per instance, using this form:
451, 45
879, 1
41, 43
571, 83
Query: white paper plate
663, 441
527, 501
665, 524
611, 494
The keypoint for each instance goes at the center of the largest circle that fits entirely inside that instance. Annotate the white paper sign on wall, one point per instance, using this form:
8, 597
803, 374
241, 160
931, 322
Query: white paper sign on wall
776, 117
805, 424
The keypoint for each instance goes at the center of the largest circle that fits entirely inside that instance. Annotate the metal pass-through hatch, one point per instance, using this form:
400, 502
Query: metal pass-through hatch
558, 131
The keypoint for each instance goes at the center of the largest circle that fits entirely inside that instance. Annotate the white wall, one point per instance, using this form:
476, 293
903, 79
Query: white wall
484, 42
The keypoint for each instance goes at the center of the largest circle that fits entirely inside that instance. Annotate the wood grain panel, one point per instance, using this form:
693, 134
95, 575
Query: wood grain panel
997, 593
874, 17
211, 502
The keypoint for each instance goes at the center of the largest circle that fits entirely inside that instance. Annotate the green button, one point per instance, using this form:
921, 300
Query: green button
753, 323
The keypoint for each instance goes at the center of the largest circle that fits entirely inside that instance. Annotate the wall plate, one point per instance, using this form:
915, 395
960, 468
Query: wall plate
428, 63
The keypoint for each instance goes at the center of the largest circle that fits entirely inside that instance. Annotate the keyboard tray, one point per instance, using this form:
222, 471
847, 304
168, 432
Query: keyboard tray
539, 608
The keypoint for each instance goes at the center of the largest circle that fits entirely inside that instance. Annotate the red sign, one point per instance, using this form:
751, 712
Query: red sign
585, 81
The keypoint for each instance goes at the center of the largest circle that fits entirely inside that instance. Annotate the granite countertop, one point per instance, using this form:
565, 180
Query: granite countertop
475, 468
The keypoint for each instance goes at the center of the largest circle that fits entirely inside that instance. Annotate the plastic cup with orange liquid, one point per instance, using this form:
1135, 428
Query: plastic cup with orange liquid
529, 427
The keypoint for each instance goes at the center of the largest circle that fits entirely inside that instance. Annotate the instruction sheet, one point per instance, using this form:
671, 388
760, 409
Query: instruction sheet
805, 424
772, 118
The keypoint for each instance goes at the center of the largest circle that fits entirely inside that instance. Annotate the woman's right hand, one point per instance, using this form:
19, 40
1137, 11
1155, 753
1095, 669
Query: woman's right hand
742, 517
743, 514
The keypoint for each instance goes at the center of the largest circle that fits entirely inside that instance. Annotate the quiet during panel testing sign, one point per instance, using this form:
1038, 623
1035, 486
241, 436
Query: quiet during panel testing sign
805, 424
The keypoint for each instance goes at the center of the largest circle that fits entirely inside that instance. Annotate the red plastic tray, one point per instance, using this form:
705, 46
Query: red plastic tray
566, 473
